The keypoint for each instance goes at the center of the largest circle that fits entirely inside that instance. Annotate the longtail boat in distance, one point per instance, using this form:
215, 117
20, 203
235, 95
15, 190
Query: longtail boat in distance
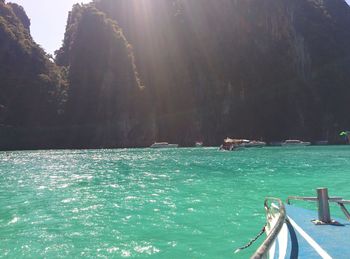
236, 144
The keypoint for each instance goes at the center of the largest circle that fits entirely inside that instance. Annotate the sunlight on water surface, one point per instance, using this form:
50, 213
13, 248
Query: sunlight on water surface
175, 203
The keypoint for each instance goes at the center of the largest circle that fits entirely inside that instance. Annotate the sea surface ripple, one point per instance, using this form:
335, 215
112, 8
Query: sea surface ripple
140, 203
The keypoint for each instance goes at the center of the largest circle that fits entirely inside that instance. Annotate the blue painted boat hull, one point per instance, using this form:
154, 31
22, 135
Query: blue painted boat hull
301, 238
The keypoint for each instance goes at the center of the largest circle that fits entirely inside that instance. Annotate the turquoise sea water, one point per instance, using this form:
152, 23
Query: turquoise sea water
139, 203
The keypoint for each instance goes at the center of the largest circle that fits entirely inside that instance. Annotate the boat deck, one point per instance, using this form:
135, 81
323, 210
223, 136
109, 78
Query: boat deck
307, 240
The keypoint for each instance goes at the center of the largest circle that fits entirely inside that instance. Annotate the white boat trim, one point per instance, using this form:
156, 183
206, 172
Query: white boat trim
283, 241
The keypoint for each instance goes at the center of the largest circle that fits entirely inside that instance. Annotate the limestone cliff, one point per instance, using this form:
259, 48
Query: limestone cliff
32, 86
131, 72
269, 69
106, 97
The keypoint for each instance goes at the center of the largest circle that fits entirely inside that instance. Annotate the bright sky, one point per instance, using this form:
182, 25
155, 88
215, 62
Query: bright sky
48, 20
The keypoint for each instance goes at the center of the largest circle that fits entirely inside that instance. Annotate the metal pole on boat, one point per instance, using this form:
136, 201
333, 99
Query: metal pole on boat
324, 214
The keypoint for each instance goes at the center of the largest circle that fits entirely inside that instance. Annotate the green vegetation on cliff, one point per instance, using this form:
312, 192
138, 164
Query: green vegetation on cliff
106, 95
257, 69
32, 86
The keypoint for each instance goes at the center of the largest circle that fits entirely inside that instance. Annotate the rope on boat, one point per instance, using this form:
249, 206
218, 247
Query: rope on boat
262, 231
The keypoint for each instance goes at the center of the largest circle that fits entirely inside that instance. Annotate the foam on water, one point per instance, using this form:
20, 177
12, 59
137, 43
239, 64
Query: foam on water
175, 203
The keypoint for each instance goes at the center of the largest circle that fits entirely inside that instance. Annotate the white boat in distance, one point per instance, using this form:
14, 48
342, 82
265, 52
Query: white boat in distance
199, 144
163, 145
294, 143
253, 143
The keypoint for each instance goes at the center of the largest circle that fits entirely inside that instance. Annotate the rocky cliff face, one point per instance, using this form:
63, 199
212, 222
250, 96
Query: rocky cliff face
106, 97
32, 87
182, 70
256, 69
